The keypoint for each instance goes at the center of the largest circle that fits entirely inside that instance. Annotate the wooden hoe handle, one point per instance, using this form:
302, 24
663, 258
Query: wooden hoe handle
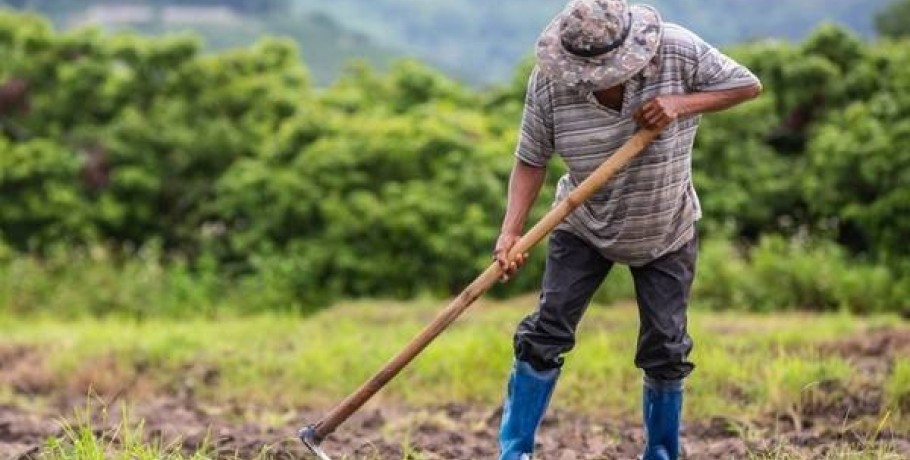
316, 433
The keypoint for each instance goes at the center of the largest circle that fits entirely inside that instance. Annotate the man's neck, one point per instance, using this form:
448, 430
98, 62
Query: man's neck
610, 98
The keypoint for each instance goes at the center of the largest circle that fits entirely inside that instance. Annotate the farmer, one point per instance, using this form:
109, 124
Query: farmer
604, 70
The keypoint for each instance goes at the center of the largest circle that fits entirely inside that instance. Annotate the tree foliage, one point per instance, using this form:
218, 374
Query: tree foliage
894, 20
393, 184
822, 152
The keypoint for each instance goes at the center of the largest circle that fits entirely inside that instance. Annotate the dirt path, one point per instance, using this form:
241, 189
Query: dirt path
455, 431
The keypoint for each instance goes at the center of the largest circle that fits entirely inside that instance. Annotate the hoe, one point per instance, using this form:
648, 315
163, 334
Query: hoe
312, 435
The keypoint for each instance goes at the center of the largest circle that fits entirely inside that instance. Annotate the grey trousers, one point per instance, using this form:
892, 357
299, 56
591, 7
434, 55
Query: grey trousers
573, 273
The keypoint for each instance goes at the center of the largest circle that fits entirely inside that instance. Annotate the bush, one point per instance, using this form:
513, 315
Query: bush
778, 274
793, 274
100, 281
238, 173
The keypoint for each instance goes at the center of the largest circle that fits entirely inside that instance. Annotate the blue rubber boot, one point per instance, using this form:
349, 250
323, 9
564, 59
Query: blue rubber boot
662, 405
528, 395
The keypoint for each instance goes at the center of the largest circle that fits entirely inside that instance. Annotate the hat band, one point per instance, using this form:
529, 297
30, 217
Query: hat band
594, 52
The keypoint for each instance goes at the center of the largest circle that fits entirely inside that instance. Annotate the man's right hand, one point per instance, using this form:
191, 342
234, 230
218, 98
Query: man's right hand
504, 244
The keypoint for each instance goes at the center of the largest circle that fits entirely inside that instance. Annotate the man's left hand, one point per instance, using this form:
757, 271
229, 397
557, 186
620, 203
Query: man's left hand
660, 111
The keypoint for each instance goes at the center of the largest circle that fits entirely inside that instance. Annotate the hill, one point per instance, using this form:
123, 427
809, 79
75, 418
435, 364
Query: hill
475, 40
325, 45
486, 39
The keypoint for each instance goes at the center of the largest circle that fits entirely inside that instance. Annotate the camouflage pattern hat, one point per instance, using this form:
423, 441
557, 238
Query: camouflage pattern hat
595, 44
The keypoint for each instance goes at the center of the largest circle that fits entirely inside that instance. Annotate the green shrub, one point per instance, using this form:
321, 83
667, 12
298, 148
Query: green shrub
40, 205
239, 173
793, 274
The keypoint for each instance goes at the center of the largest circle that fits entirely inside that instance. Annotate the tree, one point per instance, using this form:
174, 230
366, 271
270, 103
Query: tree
894, 20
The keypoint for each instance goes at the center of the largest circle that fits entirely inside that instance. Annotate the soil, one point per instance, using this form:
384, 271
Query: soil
454, 431
874, 351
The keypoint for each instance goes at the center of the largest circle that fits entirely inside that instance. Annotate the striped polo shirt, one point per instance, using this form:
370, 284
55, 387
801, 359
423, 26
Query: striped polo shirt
650, 207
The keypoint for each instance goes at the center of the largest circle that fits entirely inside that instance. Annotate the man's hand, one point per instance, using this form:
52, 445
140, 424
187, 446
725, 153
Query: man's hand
501, 253
663, 110
660, 111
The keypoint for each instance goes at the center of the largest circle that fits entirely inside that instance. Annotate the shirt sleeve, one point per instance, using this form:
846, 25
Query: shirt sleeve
713, 70
535, 141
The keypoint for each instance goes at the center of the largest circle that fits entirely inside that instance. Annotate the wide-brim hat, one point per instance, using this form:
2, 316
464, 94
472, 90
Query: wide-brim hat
596, 44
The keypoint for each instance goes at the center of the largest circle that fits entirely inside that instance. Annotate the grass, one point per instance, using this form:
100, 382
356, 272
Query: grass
289, 361
748, 366
124, 442
897, 388
877, 453
82, 443
774, 275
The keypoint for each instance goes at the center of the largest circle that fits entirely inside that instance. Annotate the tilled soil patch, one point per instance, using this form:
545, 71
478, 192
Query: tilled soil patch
454, 431
449, 432
872, 352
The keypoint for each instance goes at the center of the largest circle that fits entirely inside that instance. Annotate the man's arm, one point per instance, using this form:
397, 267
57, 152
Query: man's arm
713, 82
663, 110
524, 186
535, 147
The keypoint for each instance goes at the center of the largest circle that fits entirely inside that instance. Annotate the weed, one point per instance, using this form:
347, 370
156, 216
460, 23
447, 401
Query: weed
897, 388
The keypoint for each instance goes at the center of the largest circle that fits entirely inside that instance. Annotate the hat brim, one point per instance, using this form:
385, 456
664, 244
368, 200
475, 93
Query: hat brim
606, 70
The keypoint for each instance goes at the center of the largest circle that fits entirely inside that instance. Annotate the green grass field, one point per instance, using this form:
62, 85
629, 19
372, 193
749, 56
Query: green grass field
750, 368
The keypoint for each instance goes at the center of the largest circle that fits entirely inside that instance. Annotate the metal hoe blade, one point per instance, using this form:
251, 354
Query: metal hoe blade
311, 441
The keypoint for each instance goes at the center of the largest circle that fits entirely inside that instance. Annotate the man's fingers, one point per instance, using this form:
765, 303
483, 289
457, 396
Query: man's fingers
653, 112
501, 254
503, 263
658, 119
654, 119
505, 272
647, 115
510, 267
650, 105
647, 123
